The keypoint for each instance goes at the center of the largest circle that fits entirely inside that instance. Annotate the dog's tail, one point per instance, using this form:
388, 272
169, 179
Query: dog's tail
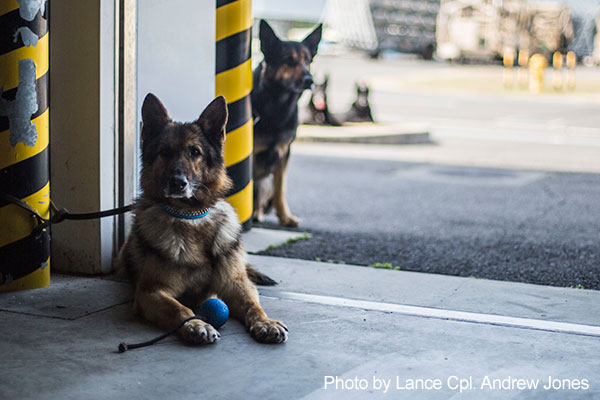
258, 277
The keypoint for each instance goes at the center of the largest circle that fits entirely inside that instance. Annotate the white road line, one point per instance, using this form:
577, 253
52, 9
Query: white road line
426, 312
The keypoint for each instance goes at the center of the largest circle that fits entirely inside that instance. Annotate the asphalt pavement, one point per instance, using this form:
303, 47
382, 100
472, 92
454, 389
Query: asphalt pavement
508, 189
504, 224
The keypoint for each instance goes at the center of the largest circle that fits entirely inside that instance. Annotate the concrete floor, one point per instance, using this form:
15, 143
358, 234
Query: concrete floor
364, 326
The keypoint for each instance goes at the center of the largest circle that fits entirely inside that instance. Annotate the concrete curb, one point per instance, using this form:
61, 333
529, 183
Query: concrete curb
365, 133
431, 291
260, 239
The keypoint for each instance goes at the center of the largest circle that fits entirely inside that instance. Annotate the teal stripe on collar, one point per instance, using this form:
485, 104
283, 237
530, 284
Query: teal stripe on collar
185, 215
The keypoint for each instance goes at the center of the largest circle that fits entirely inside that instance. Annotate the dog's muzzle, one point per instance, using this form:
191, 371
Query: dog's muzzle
307, 82
178, 186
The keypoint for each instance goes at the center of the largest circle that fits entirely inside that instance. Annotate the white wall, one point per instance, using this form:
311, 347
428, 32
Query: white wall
176, 55
82, 132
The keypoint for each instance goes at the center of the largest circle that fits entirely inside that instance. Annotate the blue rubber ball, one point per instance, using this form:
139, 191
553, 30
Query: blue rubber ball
215, 311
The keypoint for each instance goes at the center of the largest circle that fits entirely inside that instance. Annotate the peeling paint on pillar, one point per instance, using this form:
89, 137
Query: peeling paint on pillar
24, 128
29, 8
20, 110
28, 37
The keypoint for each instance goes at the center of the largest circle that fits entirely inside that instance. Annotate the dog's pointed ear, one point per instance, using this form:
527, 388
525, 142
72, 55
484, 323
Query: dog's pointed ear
213, 119
269, 42
312, 40
154, 116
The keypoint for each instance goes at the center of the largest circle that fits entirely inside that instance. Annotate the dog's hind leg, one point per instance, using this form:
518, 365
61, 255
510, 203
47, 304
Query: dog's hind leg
281, 207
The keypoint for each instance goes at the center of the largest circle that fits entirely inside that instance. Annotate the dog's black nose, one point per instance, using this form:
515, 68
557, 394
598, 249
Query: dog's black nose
307, 82
177, 184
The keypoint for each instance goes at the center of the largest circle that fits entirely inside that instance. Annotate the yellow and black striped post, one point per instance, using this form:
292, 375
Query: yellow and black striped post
234, 81
24, 135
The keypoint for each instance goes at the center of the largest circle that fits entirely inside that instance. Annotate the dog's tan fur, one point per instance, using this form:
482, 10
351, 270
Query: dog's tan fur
173, 260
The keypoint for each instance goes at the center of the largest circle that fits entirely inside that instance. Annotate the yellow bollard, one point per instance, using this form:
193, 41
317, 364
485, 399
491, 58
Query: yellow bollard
557, 64
571, 64
234, 81
523, 73
537, 65
24, 136
508, 73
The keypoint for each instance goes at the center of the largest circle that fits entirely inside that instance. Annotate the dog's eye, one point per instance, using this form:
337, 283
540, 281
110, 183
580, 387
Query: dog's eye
194, 152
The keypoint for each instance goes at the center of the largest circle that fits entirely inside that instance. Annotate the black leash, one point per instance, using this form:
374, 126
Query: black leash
63, 214
123, 347
60, 214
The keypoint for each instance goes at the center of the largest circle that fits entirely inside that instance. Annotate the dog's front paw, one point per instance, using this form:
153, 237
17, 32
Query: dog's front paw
289, 221
199, 332
269, 331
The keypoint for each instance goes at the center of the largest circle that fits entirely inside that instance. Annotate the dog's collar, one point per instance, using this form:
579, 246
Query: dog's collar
185, 214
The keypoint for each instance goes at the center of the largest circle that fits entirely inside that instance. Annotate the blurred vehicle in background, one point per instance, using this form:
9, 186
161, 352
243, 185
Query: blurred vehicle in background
486, 29
454, 29
480, 29
548, 28
406, 26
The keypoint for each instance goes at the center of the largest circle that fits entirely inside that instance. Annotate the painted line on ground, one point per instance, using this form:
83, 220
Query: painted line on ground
436, 313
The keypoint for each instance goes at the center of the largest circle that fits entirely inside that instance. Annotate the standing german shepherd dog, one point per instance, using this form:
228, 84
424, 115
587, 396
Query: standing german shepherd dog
185, 241
278, 83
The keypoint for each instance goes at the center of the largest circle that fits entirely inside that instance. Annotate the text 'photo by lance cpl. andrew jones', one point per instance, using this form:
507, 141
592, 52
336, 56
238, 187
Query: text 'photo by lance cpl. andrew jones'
455, 383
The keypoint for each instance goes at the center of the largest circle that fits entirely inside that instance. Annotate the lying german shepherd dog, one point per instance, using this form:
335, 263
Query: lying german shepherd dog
278, 83
185, 243
360, 110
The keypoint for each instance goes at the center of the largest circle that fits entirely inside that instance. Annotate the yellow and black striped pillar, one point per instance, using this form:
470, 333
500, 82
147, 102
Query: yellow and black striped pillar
24, 135
234, 81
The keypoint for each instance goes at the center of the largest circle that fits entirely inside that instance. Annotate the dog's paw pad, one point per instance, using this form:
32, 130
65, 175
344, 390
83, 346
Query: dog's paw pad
269, 331
199, 332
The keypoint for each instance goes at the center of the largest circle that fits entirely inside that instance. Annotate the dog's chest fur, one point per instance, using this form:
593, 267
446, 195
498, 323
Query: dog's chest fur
192, 243
276, 107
